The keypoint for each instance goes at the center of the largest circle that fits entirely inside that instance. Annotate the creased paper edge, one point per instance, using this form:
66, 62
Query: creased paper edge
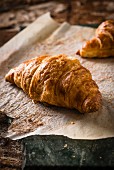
39, 39
39, 33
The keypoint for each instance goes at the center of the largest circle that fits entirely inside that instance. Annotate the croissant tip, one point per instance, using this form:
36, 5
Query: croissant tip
9, 77
78, 52
92, 105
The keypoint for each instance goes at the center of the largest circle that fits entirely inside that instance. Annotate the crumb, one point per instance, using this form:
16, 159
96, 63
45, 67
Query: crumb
59, 42
65, 146
72, 123
73, 156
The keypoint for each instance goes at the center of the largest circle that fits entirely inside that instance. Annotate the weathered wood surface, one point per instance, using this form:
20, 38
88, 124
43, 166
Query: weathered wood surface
61, 151
9, 4
11, 152
81, 153
22, 13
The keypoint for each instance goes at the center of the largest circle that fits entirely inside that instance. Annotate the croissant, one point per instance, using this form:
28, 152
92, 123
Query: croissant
102, 45
57, 80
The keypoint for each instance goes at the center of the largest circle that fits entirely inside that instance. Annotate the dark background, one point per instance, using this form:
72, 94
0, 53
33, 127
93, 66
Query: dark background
17, 14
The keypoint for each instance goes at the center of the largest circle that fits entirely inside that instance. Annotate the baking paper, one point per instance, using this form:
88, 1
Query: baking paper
45, 36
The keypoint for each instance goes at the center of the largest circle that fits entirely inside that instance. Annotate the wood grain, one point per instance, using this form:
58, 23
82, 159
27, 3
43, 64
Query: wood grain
22, 13
11, 152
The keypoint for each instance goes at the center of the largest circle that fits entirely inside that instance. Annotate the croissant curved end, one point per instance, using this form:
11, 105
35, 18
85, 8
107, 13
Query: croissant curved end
10, 76
78, 52
92, 104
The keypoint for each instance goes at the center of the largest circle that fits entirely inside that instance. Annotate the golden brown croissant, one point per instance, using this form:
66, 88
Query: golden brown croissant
102, 45
59, 81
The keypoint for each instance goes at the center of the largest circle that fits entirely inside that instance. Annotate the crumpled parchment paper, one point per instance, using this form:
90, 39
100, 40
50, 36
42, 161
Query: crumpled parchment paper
45, 36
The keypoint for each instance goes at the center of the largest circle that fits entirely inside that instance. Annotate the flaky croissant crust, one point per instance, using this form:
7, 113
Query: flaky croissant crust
102, 45
57, 80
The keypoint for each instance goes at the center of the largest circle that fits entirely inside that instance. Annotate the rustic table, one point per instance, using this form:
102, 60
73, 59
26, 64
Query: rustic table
59, 151
52, 151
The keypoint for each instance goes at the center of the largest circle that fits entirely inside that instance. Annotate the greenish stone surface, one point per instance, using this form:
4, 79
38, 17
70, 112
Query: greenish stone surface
62, 151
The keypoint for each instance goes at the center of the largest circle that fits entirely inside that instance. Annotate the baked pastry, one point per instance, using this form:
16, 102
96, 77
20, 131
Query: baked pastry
102, 45
57, 80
